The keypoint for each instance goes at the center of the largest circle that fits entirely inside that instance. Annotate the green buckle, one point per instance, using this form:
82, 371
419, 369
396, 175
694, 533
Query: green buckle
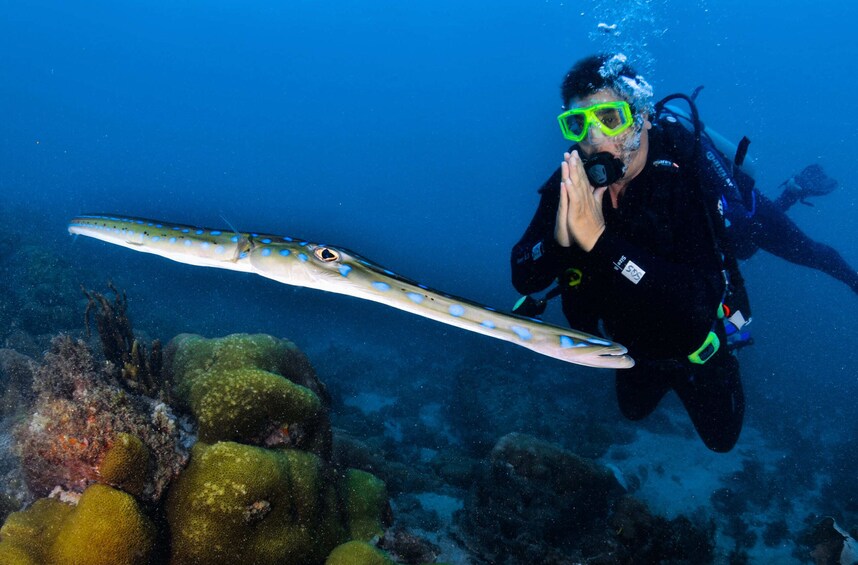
705, 352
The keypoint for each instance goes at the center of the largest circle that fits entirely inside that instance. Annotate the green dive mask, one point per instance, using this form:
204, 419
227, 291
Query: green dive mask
612, 118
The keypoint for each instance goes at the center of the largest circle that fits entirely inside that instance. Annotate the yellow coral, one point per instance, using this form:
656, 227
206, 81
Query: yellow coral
107, 527
358, 553
366, 504
238, 503
28, 534
124, 465
243, 387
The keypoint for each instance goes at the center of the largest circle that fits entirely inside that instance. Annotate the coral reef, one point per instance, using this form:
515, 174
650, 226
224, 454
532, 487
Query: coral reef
654, 539
260, 482
534, 502
238, 502
253, 389
80, 414
275, 498
106, 527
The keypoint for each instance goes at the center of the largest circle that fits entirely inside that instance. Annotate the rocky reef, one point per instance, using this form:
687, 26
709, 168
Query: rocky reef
86, 428
534, 502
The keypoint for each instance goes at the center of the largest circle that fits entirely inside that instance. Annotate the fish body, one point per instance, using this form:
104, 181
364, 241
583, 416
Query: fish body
331, 268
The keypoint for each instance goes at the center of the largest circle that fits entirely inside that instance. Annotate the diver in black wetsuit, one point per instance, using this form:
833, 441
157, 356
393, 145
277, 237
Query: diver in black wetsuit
757, 222
641, 257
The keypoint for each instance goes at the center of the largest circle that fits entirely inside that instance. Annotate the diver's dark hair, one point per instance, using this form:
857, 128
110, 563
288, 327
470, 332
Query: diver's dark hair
598, 72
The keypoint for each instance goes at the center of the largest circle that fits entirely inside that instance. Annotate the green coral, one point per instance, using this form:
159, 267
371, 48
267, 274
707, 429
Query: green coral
366, 505
358, 553
238, 503
246, 387
125, 463
107, 527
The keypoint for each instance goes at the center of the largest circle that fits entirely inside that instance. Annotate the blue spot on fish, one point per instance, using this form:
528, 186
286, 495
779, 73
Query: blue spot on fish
302, 257
382, 286
488, 324
234, 239
285, 252
156, 238
567, 342
199, 232
597, 341
522, 333
266, 252
216, 232
205, 245
456, 310
345, 270
415, 297
188, 243
172, 240
266, 240
220, 249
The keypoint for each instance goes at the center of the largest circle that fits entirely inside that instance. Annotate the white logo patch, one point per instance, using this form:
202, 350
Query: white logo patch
633, 272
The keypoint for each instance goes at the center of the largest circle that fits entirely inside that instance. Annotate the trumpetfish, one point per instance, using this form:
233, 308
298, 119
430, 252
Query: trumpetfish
297, 262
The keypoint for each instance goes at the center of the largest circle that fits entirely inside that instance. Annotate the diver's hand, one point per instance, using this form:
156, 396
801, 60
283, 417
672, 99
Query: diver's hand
579, 215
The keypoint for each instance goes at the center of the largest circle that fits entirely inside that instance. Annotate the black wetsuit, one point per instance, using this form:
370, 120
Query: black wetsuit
759, 223
654, 280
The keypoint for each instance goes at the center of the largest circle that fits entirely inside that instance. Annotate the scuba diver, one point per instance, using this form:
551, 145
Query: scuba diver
630, 227
756, 222
752, 221
760, 223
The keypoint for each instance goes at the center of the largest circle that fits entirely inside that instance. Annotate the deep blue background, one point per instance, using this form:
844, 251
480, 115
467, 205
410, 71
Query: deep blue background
416, 133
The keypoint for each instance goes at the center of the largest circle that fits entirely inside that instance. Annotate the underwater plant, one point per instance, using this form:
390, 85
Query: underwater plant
137, 367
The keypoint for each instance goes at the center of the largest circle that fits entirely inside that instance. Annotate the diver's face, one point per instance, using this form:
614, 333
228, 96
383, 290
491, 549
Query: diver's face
621, 146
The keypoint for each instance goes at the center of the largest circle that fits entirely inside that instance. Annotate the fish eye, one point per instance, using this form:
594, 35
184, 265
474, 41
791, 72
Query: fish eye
326, 254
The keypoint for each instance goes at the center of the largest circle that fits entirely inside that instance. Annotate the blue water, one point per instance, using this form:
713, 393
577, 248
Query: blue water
417, 134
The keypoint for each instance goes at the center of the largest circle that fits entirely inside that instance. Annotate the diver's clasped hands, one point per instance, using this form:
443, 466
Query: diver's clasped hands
579, 215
